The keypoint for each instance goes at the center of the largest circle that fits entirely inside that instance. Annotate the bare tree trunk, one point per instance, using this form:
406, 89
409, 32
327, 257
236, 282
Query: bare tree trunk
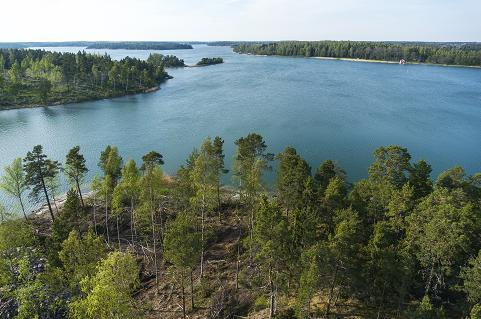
183, 295
238, 260
47, 199
23, 207
382, 301
155, 247
430, 278
118, 231
107, 217
95, 208
271, 297
55, 203
132, 220
80, 193
331, 290
218, 201
192, 290
202, 238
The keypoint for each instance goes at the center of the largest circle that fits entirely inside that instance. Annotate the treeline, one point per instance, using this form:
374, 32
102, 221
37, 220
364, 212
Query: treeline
210, 61
436, 53
140, 45
37, 77
394, 245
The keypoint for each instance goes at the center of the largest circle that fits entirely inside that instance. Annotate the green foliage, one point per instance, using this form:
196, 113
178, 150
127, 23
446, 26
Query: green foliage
80, 257
250, 162
391, 239
37, 170
15, 234
68, 220
183, 185
437, 53
440, 233
391, 165
326, 171
182, 242
471, 275
108, 293
476, 312
33, 77
292, 174
75, 169
111, 164
12, 182
426, 310
165, 61
420, 179
210, 61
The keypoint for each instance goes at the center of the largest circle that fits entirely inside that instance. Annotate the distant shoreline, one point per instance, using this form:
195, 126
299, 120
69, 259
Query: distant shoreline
362, 60
394, 62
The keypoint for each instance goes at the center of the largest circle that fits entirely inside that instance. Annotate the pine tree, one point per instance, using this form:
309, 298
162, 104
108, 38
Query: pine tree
37, 170
183, 249
75, 169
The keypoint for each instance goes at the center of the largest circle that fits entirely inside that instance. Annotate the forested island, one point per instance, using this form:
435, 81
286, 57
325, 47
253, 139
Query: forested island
145, 245
165, 61
140, 45
38, 77
462, 54
210, 61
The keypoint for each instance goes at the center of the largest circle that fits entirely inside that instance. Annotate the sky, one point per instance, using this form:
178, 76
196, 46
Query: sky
209, 20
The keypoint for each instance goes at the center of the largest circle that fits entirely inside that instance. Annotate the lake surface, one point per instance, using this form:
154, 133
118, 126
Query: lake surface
326, 109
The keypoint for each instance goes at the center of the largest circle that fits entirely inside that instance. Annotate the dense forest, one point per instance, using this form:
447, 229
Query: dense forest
140, 45
210, 61
142, 244
38, 77
466, 54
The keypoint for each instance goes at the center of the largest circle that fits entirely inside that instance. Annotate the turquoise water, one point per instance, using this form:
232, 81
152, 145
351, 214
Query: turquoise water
326, 109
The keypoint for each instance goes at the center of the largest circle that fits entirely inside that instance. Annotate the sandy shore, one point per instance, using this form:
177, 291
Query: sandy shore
394, 62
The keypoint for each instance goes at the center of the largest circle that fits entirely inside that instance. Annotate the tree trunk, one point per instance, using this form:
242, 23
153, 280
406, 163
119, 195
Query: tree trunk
23, 207
55, 203
202, 238
271, 298
218, 201
118, 231
430, 278
251, 257
48, 200
80, 193
382, 301
153, 232
183, 295
331, 290
238, 260
95, 208
107, 217
132, 220
192, 290
155, 249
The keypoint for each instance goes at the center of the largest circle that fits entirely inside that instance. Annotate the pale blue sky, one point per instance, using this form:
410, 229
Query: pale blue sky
62, 20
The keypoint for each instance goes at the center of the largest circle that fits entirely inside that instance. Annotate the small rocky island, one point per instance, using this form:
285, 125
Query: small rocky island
210, 61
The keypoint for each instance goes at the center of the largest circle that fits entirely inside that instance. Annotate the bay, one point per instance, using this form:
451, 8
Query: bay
326, 109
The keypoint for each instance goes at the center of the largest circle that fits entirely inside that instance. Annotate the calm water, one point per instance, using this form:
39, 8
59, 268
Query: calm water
325, 109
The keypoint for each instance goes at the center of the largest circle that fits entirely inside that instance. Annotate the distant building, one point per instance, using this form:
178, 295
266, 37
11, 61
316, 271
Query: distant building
402, 61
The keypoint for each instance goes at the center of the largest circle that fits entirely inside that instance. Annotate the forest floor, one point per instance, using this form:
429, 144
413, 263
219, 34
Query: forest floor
224, 291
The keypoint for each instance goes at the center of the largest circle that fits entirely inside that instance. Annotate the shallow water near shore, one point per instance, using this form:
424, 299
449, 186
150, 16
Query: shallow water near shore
326, 109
